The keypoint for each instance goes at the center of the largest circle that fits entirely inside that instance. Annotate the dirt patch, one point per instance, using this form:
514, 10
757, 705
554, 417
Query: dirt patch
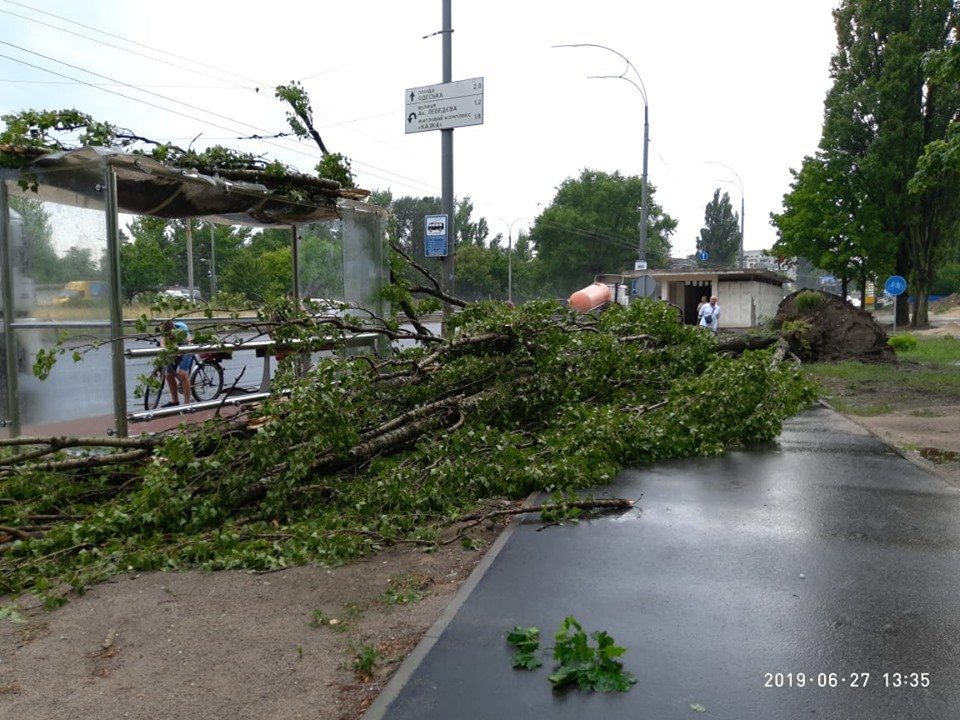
291, 644
923, 425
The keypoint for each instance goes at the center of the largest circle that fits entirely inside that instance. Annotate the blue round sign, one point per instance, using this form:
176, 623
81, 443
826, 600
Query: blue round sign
703, 255
895, 285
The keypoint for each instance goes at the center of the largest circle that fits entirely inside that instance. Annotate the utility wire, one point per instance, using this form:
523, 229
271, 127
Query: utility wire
296, 149
127, 40
258, 84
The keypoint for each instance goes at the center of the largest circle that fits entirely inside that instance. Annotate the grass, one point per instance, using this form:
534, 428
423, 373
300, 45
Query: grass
405, 589
924, 375
365, 661
936, 350
862, 410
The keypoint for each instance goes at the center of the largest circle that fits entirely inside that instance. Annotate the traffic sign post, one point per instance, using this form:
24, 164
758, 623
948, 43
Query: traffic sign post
444, 106
435, 236
895, 285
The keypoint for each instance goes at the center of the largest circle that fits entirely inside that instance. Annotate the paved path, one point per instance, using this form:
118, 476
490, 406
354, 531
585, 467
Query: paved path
826, 552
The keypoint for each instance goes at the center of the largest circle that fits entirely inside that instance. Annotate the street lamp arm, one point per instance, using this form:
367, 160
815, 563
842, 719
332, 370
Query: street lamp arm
641, 87
621, 77
645, 196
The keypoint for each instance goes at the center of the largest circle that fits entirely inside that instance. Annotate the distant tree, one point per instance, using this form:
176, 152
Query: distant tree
143, 260
321, 262
38, 258
259, 277
829, 219
467, 231
592, 227
406, 226
78, 264
480, 273
720, 235
883, 111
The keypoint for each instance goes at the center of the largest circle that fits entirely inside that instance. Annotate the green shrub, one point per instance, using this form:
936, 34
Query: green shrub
902, 342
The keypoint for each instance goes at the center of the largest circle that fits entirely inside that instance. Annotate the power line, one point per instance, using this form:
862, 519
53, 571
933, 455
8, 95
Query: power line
129, 85
117, 84
100, 86
105, 88
120, 37
114, 92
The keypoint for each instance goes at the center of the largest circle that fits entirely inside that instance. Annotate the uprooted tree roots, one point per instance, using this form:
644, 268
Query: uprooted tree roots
365, 452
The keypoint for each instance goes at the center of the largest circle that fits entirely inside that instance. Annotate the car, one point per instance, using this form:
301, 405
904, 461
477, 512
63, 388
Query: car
325, 307
181, 293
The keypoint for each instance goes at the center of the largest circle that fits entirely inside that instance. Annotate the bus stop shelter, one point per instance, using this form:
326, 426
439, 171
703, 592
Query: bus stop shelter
87, 195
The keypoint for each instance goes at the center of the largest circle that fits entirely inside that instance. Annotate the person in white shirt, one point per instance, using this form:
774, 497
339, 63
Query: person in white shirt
710, 315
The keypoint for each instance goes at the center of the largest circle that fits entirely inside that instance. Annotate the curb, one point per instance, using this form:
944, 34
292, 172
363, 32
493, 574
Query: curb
391, 690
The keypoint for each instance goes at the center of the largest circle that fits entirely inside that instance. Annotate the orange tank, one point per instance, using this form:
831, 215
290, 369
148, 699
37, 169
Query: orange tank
590, 297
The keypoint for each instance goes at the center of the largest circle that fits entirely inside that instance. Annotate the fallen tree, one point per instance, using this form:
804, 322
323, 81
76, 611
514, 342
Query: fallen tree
365, 452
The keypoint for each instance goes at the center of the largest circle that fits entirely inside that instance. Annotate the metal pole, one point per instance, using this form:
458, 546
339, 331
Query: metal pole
12, 411
742, 216
190, 258
116, 309
510, 266
446, 170
213, 263
645, 197
295, 254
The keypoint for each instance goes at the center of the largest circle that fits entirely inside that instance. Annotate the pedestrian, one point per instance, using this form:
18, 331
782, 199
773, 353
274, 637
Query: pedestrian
703, 301
710, 315
176, 332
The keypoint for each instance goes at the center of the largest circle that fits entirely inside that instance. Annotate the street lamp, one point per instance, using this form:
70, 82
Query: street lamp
645, 197
739, 185
510, 255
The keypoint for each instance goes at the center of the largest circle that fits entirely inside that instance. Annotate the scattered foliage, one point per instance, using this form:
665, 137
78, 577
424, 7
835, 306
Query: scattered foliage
590, 667
527, 643
362, 453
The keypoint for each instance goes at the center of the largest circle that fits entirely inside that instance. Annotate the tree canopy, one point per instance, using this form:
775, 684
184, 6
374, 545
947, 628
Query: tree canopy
720, 235
887, 118
592, 227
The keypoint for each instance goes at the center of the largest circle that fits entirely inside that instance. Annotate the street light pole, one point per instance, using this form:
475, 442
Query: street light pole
510, 255
739, 185
645, 193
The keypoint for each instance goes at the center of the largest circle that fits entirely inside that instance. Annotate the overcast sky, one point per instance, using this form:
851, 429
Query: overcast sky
737, 84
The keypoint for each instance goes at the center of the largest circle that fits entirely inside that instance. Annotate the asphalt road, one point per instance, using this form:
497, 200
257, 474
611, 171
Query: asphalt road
825, 555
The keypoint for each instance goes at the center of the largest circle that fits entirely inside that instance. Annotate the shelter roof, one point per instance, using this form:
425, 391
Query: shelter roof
148, 187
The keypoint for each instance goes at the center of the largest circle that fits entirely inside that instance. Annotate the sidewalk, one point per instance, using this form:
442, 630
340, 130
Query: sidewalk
826, 552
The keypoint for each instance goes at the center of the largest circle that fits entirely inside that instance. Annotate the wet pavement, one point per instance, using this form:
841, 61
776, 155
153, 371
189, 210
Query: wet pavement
823, 557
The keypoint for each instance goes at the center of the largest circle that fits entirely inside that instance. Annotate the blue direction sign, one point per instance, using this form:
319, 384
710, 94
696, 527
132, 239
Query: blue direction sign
895, 285
703, 256
435, 236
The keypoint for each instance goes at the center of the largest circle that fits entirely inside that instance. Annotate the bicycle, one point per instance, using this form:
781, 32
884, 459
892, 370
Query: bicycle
206, 380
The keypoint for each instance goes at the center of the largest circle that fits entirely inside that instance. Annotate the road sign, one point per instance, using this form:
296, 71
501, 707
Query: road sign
444, 106
895, 285
435, 236
703, 256
639, 264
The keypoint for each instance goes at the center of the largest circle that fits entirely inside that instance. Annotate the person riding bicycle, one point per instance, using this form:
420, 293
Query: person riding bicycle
176, 332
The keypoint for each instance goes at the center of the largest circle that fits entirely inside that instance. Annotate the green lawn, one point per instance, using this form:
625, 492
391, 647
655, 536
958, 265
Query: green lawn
928, 374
